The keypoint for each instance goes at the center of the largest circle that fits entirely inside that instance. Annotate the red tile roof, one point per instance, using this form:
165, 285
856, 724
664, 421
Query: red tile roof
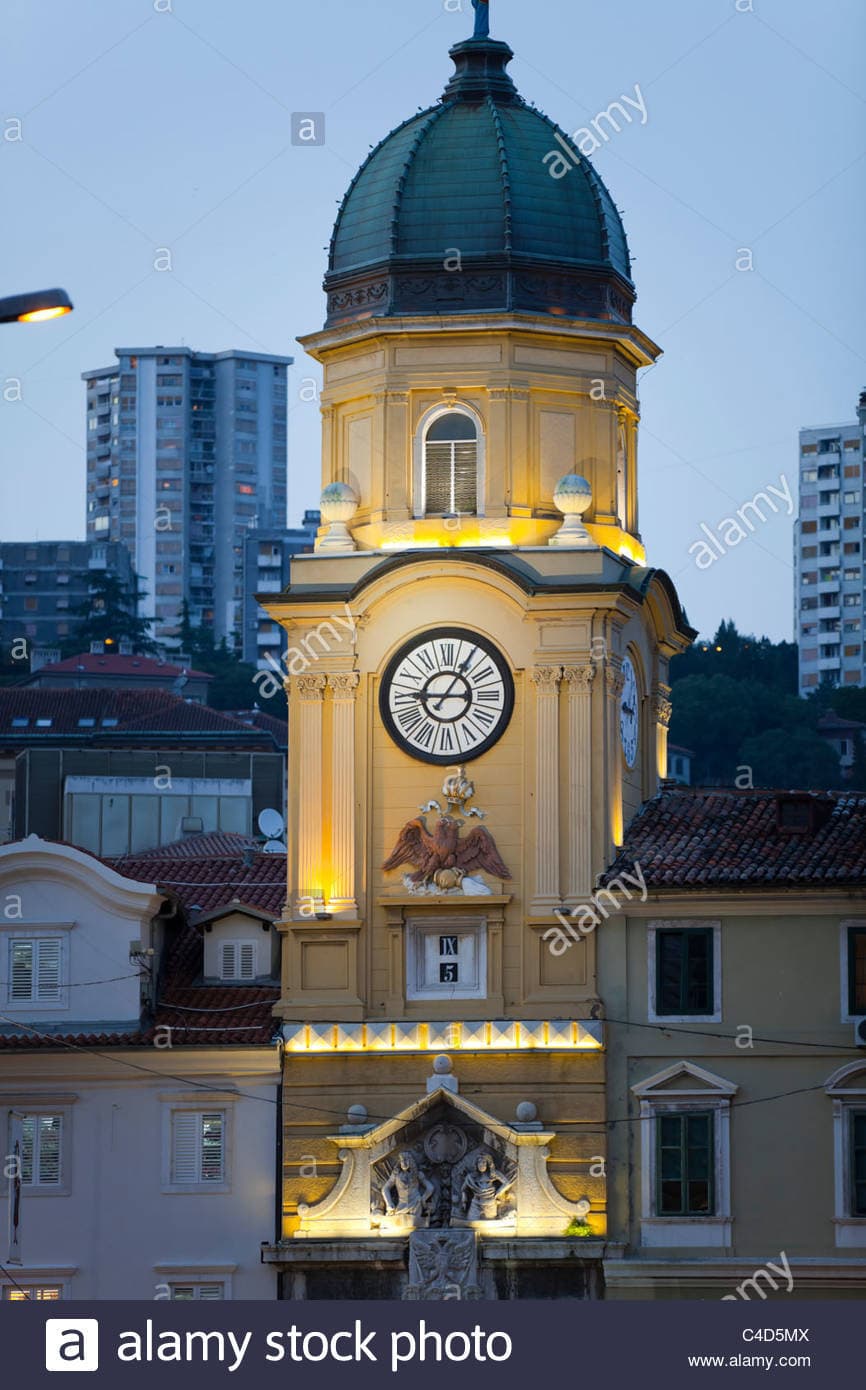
136, 711
115, 664
693, 838
205, 883
199, 1015
210, 844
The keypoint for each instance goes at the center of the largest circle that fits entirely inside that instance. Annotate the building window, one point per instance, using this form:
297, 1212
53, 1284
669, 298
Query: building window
41, 1150
856, 962
37, 1293
446, 959
684, 1165
857, 1130
847, 1089
198, 1148
237, 960
684, 971
189, 1293
35, 970
449, 473
685, 1157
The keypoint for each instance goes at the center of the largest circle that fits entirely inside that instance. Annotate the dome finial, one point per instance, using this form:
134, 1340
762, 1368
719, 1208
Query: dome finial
482, 18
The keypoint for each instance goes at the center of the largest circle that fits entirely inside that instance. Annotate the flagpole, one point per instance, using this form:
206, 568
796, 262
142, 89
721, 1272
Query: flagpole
12, 1173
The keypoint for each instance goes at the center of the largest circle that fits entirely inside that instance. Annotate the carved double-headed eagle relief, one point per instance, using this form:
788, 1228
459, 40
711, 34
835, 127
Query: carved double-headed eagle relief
442, 860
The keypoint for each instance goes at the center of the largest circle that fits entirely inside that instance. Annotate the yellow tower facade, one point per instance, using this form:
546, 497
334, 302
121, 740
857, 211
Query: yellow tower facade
477, 674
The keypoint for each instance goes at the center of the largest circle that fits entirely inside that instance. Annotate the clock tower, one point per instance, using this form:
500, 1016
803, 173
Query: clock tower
477, 674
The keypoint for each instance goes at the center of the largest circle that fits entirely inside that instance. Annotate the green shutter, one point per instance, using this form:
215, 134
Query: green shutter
858, 1163
857, 970
685, 1164
684, 971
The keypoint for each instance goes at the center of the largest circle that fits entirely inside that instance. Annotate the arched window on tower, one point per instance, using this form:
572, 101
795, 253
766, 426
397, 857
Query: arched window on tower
449, 472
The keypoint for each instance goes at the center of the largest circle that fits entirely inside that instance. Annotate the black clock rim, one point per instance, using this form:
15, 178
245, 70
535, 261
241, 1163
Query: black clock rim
441, 759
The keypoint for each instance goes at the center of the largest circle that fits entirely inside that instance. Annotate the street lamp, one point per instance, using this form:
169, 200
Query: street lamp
34, 307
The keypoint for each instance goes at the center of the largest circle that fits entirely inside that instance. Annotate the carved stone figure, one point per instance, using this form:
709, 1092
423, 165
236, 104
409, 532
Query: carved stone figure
483, 1188
408, 1193
442, 1265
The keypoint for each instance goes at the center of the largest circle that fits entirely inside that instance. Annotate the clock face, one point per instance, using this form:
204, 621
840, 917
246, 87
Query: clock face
628, 714
447, 696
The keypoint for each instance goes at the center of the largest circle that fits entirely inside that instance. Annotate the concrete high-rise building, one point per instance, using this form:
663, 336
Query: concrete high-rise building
44, 585
828, 555
186, 451
267, 566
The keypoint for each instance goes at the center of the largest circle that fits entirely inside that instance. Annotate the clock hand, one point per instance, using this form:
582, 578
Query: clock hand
460, 669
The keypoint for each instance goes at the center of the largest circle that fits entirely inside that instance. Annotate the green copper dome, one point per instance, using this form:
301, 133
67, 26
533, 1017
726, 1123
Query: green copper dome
458, 210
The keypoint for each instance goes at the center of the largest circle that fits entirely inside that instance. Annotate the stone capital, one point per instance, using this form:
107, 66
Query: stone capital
579, 679
546, 679
662, 708
343, 684
614, 678
310, 687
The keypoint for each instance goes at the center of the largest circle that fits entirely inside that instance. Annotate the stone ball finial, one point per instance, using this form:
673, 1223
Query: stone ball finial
526, 1112
338, 505
442, 1065
356, 1114
572, 496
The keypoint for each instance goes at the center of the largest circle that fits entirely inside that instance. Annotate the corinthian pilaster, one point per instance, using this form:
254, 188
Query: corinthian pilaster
341, 897
307, 696
546, 681
579, 875
662, 711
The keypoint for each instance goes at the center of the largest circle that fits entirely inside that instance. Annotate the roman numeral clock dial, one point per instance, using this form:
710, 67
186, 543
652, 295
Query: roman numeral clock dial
446, 696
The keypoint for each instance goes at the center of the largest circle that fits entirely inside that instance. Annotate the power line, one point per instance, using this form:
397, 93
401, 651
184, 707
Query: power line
11, 1277
322, 1110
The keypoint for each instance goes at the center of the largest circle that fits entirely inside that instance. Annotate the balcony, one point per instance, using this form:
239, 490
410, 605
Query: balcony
270, 586
269, 639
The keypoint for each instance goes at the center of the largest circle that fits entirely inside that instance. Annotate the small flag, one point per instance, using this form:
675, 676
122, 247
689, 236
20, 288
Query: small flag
12, 1173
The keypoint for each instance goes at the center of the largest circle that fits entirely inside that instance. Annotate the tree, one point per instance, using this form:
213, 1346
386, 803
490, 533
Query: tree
742, 656
795, 759
232, 686
110, 614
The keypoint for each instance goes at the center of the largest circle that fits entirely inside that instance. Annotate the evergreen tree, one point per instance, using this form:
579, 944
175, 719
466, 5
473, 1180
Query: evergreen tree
110, 615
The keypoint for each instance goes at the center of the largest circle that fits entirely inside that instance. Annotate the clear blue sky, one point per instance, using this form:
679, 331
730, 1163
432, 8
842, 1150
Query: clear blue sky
144, 129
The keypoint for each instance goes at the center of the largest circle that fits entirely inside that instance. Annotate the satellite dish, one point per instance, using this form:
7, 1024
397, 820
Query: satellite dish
271, 824
274, 847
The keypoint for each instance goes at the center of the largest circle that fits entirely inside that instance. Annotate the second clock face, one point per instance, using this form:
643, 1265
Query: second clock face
629, 721
447, 696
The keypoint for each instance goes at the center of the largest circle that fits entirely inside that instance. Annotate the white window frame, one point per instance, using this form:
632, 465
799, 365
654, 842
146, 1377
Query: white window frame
844, 982
173, 1276
418, 929
850, 1229
682, 924
15, 932
429, 417
659, 1095
204, 1104
34, 1109
237, 944
39, 1278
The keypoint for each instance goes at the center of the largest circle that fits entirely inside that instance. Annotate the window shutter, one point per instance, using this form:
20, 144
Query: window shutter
211, 1148
227, 961
48, 969
28, 1127
211, 1291
247, 953
466, 478
49, 1149
437, 479
21, 970
184, 1147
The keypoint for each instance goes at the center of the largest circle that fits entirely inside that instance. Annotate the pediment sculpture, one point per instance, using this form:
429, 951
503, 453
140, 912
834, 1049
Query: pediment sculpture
442, 1165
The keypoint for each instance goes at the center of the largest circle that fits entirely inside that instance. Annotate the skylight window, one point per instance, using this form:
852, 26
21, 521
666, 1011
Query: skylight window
109, 723
87, 723
20, 721
43, 723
